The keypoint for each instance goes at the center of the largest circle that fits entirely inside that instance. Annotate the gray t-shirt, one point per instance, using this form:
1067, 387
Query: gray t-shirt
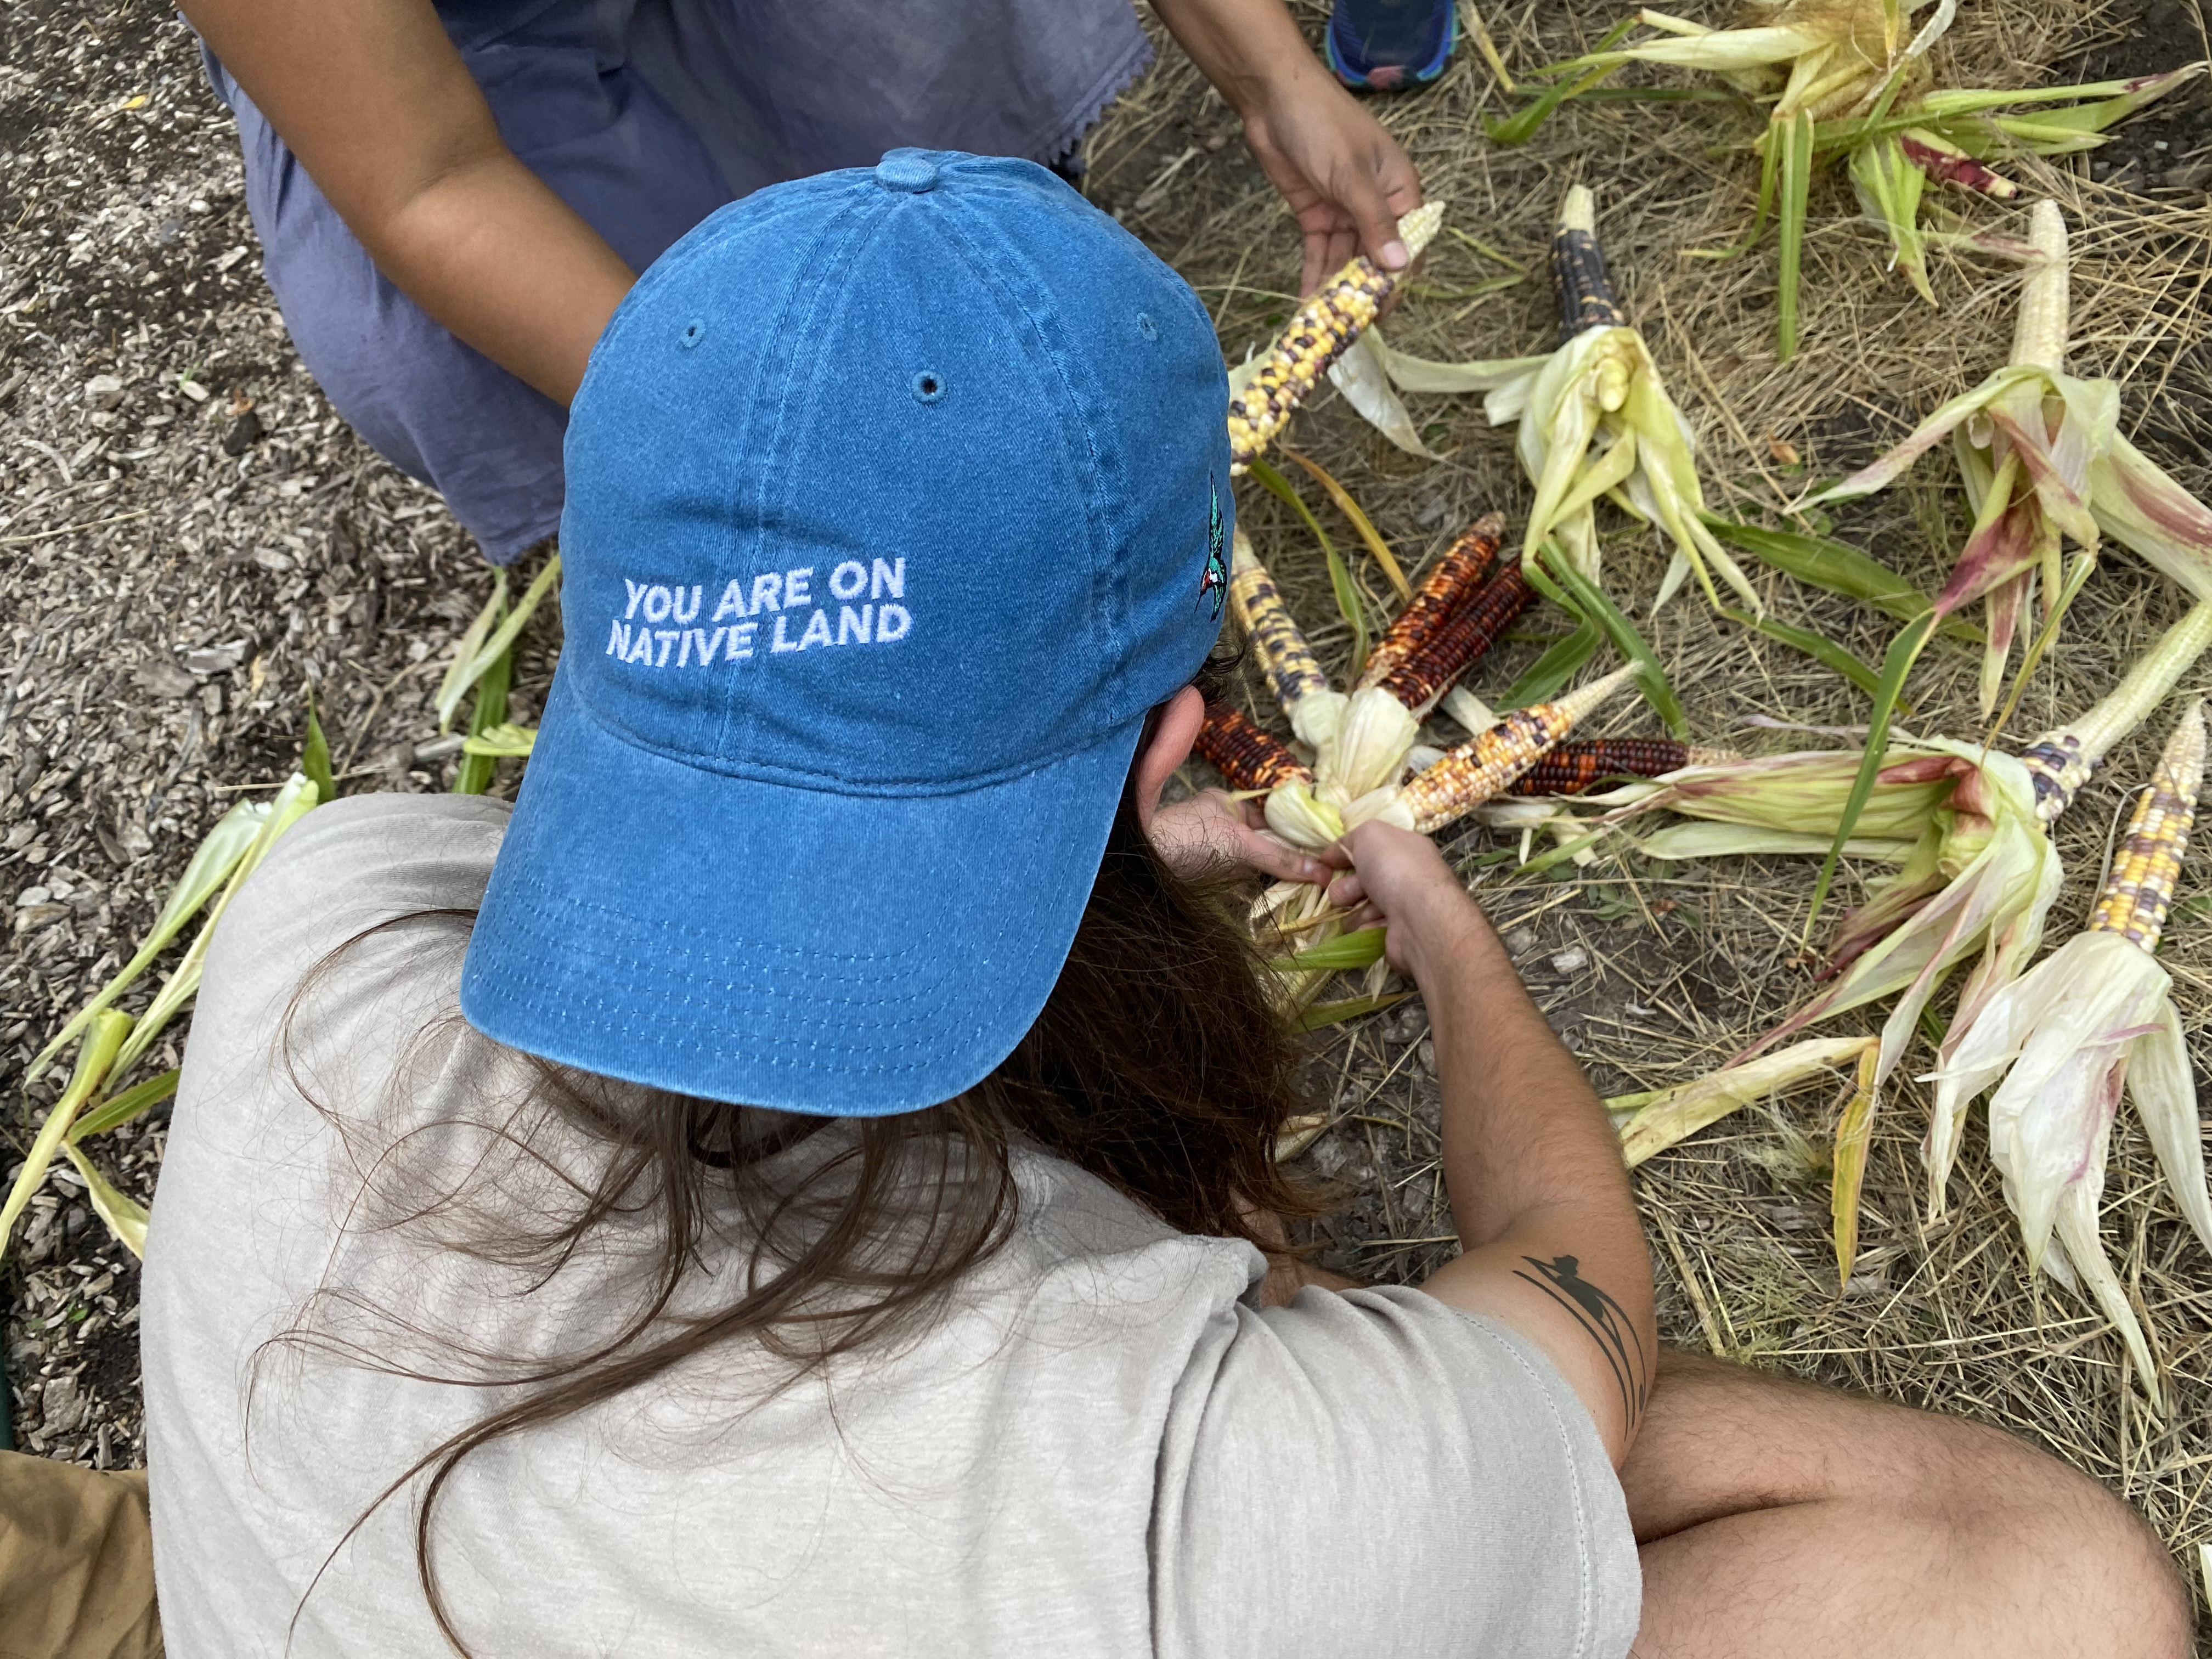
1105, 1447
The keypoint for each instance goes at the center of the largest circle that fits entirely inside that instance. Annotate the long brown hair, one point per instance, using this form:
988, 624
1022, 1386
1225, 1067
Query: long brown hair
1159, 1064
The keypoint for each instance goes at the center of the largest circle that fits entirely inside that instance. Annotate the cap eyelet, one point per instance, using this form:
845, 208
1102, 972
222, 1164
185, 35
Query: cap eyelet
928, 386
694, 331
1146, 326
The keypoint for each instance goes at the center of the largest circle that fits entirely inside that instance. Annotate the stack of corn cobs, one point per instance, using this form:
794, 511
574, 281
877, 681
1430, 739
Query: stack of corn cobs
2042, 464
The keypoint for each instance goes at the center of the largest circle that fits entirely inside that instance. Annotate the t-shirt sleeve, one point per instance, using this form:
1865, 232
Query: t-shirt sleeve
1376, 1472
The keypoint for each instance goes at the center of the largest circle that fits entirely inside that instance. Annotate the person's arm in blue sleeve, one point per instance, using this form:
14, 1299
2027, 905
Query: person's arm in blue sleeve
374, 101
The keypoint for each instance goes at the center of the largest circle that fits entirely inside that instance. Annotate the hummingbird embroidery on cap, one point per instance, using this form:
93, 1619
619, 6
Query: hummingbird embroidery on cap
1213, 584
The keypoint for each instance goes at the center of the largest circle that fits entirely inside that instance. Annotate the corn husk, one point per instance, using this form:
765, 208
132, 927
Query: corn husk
2043, 460
1848, 81
112, 1041
2092, 1019
1664, 1117
1594, 422
1988, 1034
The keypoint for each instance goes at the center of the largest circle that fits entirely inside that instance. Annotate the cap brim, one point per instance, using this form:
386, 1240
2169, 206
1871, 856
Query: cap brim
854, 955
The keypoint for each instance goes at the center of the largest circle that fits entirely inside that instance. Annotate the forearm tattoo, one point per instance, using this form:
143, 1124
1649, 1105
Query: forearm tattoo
1606, 1322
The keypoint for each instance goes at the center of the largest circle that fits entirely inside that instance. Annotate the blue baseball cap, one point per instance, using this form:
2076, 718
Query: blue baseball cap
896, 498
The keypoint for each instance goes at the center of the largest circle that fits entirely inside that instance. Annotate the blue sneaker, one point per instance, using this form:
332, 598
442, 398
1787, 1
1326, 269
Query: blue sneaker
1387, 45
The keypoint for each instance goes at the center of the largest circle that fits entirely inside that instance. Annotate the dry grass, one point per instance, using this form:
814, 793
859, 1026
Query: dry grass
1681, 964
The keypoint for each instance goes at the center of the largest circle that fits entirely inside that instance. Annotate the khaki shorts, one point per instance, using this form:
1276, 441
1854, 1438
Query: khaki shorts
76, 1563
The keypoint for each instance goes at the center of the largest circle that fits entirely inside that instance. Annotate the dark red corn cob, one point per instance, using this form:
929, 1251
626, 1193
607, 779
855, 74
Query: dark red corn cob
1430, 671
1574, 767
1456, 578
1246, 756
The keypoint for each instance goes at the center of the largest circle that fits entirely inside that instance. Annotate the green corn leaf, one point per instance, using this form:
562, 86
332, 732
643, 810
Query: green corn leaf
1331, 1013
2084, 563
294, 801
506, 743
489, 710
1659, 95
315, 759
1519, 128
1838, 568
131, 1103
1486, 250
125, 1216
1770, 164
1796, 185
462, 671
95, 1060
1348, 603
1903, 651
1551, 575
1562, 852
1362, 949
1361, 523
1818, 646
212, 863
1547, 677
484, 645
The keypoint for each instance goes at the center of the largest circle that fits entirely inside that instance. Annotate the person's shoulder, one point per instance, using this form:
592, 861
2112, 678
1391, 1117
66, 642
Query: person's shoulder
1102, 1249
344, 869
389, 852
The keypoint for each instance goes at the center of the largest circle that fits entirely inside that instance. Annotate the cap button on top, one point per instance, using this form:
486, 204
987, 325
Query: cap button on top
908, 171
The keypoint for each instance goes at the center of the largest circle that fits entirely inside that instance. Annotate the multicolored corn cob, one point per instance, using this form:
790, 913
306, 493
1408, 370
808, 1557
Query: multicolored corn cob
1421, 680
1580, 283
1292, 673
1483, 767
1319, 332
1456, 578
2140, 890
2059, 763
1573, 767
1245, 756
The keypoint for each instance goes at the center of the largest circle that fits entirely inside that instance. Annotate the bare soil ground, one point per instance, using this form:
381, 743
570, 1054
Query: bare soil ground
190, 544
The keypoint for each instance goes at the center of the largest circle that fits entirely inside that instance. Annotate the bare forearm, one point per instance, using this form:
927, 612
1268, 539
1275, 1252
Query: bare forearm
1243, 46
1522, 1129
503, 263
1543, 1206
379, 108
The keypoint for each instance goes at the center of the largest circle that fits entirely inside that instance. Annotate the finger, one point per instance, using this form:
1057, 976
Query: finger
1363, 198
1279, 859
1317, 267
1346, 891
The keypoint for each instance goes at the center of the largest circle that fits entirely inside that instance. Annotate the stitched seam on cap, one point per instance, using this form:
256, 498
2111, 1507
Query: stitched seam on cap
815, 783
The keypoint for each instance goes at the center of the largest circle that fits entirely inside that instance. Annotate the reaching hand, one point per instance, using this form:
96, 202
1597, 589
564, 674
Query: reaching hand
1404, 882
1213, 828
1345, 176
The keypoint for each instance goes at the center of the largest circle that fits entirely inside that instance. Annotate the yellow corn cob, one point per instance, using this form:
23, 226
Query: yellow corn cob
1317, 334
2140, 890
1285, 657
1485, 765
